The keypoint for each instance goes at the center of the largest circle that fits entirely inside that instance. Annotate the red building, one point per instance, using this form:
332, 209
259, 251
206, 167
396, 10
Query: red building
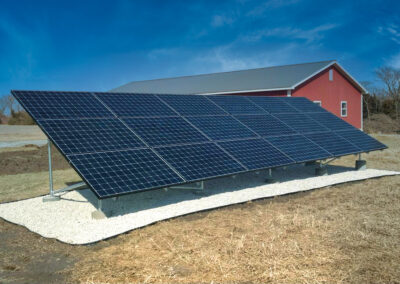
325, 83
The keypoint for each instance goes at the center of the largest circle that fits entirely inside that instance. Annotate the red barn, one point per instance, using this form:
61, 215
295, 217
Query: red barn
325, 83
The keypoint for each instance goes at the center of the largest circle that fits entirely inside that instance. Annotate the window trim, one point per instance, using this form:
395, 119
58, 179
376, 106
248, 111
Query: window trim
330, 74
318, 102
344, 108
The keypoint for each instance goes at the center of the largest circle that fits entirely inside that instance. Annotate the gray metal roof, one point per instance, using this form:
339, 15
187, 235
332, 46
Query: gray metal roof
260, 79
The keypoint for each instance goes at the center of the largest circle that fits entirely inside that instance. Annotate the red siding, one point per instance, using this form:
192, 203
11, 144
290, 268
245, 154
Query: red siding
331, 93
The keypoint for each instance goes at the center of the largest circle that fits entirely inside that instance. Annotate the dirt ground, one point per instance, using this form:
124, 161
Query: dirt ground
342, 234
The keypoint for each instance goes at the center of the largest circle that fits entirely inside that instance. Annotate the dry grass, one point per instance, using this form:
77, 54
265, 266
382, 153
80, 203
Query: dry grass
21, 186
344, 234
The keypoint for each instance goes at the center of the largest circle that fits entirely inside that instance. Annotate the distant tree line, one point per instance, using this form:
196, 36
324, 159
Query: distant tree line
12, 113
385, 99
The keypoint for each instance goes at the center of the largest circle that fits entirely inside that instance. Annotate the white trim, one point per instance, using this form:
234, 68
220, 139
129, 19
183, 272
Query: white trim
330, 75
289, 93
244, 91
362, 112
341, 109
363, 90
318, 102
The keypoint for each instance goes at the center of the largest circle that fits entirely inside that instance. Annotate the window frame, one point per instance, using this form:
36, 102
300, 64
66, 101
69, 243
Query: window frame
331, 75
318, 102
346, 108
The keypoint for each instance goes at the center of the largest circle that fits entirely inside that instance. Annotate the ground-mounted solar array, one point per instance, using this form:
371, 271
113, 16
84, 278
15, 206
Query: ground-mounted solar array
122, 143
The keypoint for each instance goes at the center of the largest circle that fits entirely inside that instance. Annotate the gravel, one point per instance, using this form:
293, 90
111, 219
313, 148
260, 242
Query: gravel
69, 220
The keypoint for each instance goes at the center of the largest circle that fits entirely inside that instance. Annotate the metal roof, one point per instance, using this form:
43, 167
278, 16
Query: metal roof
285, 77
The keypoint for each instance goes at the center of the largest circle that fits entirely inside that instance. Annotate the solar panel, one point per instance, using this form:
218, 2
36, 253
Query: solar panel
200, 161
122, 143
333, 143
256, 153
120, 172
299, 148
265, 125
221, 127
331, 121
49, 105
74, 136
165, 130
135, 105
363, 141
236, 105
192, 105
273, 104
300, 122
303, 105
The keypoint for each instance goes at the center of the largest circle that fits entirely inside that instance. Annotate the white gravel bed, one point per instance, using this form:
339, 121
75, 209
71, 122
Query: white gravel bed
69, 220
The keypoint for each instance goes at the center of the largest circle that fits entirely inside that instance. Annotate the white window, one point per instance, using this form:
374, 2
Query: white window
331, 75
318, 103
343, 108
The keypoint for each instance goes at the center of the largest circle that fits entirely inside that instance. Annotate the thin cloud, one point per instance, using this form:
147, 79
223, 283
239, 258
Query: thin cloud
309, 35
268, 5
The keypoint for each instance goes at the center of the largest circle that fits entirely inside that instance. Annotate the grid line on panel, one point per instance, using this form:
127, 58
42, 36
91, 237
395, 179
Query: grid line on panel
236, 105
135, 105
256, 153
333, 143
90, 135
331, 121
202, 161
166, 130
61, 105
300, 122
272, 104
362, 140
142, 140
265, 125
115, 173
303, 105
191, 105
221, 127
299, 148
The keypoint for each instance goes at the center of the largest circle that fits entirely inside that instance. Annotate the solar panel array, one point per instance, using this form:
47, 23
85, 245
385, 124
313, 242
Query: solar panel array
122, 143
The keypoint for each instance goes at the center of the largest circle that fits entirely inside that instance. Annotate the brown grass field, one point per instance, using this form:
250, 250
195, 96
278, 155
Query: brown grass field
348, 233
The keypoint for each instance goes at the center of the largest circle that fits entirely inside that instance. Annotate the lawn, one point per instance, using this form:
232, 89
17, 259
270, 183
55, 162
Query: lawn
342, 234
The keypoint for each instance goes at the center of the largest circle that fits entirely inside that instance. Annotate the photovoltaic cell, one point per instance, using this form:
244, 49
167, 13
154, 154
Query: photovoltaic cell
256, 153
221, 127
302, 104
54, 105
236, 105
200, 161
299, 148
135, 105
273, 104
265, 125
331, 121
165, 130
333, 143
192, 105
74, 136
300, 122
363, 141
114, 173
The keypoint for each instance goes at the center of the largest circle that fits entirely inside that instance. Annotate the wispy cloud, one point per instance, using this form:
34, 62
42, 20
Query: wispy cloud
392, 31
309, 35
269, 5
222, 20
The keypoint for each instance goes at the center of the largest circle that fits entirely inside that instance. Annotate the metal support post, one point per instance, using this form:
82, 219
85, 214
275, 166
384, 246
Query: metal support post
270, 179
361, 164
51, 196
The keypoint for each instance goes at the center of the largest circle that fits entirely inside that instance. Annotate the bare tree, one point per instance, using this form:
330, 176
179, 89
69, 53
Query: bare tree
368, 86
3, 105
391, 79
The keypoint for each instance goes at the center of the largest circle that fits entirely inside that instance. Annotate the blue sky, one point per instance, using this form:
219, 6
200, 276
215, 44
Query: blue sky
99, 45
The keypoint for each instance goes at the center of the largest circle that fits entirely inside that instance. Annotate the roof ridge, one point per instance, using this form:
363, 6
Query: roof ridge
225, 72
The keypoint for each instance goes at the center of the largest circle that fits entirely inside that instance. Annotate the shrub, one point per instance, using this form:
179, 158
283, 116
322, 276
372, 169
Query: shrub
20, 118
